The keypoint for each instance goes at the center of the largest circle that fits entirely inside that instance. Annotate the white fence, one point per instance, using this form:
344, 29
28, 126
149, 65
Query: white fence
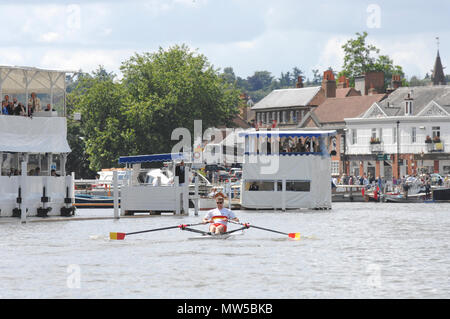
30, 191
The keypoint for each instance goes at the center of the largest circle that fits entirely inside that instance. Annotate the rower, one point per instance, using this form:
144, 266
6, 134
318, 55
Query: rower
218, 217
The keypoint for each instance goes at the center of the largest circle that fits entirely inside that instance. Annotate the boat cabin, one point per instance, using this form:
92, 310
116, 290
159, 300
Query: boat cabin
286, 170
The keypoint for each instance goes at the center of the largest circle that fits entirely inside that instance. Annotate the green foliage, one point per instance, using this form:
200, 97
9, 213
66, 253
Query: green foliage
159, 92
361, 57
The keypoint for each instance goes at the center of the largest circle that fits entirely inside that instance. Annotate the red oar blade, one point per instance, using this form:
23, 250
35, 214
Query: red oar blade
117, 236
295, 236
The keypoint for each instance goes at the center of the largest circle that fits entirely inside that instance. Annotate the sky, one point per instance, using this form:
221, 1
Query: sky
247, 35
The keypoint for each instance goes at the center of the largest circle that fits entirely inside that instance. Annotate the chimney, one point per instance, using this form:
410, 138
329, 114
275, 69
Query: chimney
372, 90
343, 82
371, 79
329, 84
396, 81
299, 82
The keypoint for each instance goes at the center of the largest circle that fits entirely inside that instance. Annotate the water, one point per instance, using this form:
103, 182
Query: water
356, 250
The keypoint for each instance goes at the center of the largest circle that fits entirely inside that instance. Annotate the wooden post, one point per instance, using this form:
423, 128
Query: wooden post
116, 195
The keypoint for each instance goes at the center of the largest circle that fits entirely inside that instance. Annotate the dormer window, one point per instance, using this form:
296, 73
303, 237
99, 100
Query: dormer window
408, 107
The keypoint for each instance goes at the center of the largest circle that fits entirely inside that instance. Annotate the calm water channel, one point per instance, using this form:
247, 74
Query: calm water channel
356, 250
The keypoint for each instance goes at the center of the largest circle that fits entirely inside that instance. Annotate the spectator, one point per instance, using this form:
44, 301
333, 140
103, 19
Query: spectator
20, 110
53, 173
4, 108
179, 171
37, 171
10, 108
35, 103
49, 107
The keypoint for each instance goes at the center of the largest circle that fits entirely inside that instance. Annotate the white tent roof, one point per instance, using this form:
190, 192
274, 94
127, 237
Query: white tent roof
17, 80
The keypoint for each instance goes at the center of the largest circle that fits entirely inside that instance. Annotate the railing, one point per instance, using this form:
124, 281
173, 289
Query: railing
376, 147
435, 146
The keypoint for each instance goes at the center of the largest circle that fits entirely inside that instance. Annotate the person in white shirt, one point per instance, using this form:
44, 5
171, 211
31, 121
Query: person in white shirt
218, 217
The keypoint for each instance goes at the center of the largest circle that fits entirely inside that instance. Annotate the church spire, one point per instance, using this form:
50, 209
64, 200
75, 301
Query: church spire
438, 76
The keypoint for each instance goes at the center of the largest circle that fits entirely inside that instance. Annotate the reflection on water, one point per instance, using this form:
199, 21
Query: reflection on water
356, 250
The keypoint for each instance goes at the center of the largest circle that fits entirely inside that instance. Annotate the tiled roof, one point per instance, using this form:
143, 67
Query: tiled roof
422, 96
336, 109
287, 98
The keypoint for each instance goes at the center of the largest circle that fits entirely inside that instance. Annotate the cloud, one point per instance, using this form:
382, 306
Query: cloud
86, 60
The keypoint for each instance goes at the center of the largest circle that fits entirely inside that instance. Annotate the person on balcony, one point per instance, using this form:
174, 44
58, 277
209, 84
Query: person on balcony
35, 103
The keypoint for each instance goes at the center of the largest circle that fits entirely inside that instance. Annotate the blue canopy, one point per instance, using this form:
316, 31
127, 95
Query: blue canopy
288, 133
151, 158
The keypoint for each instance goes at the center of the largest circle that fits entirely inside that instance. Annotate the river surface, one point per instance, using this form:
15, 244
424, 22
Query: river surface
355, 250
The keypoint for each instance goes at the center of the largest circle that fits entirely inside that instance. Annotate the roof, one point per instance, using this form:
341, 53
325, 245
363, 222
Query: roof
438, 76
422, 96
287, 98
345, 92
151, 158
335, 110
14, 79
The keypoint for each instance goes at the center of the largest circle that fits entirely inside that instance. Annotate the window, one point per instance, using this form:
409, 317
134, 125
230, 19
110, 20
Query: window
354, 136
295, 186
436, 131
413, 135
408, 107
334, 167
374, 133
269, 185
259, 185
298, 186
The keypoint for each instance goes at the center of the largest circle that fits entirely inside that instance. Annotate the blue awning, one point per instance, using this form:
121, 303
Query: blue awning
288, 133
151, 158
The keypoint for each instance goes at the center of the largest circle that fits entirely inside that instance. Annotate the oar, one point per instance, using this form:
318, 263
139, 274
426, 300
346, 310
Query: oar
295, 236
121, 236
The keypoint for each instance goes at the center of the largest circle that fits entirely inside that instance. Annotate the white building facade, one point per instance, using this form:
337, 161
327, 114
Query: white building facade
407, 133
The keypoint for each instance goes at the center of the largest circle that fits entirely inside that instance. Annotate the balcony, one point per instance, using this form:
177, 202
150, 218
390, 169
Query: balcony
376, 146
435, 145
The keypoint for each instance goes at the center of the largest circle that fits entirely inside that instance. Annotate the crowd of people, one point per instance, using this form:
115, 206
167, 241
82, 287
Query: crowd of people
13, 107
33, 172
424, 180
290, 145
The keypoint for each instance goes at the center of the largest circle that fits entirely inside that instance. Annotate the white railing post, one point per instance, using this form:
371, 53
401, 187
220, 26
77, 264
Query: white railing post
186, 191
177, 196
23, 186
116, 195
196, 196
283, 195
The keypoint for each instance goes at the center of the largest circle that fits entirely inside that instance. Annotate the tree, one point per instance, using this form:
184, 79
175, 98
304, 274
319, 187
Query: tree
102, 132
170, 89
361, 57
259, 80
